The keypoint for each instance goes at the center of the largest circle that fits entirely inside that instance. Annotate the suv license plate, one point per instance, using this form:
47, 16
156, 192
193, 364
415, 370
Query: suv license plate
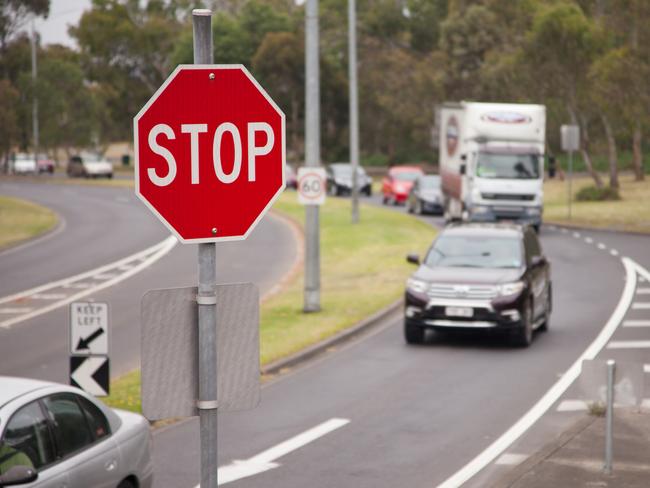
459, 311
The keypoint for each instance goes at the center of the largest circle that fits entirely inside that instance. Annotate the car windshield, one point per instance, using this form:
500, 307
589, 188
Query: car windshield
24, 157
512, 166
475, 252
406, 175
91, 158
430, 182
346, 170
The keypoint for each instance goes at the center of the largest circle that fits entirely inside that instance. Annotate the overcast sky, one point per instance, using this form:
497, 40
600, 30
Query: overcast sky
63, 13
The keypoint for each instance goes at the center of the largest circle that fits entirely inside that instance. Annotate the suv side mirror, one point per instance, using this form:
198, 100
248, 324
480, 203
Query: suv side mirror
413, 258
18, 475
537, 260
463, 169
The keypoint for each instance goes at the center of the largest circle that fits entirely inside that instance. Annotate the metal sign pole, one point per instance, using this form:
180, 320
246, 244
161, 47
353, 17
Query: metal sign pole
570, 181
206, 300
611, 366
354, 106
312, 157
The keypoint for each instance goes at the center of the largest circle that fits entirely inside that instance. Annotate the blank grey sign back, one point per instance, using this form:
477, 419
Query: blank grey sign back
170, 350
628, 382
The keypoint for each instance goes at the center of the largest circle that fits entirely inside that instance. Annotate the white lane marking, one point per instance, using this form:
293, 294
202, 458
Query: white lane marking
77, 285
629, 345
589, 240
636, 323
641, 306
495, 449
565, 231
14, 310
552, 227
511, 459
646, 368
572, 406
602, 246
105, 276
643, 291
264, 461
613, 252
47, 296
152, 254
576, 235
645, 403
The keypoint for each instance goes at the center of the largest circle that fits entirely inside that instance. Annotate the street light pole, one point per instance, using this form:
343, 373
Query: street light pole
354, 106
35, 99
312, 157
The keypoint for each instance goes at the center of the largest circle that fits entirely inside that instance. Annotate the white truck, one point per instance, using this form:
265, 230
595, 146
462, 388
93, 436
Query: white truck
492, 161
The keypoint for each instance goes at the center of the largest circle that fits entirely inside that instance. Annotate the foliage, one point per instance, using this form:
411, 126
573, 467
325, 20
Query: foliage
595, 194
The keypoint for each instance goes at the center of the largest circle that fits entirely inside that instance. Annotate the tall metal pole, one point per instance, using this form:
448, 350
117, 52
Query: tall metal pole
206, 299
35, 100
354, 106
312, 157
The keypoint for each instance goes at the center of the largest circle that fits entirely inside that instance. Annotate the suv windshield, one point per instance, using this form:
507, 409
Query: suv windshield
475, 252
346, 170
406, 175
514, 166
430, 182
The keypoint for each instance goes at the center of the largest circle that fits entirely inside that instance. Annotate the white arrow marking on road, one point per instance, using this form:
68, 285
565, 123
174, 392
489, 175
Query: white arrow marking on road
264, 461
83, 376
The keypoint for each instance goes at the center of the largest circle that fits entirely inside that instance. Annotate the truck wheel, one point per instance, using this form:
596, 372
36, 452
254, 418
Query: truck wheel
413, 334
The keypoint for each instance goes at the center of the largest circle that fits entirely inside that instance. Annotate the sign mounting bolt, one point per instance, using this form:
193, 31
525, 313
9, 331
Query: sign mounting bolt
214, 231
211, 76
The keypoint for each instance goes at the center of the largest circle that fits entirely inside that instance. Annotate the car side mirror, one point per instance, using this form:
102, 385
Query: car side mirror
413, 258
18, 475
537, 260
463, 169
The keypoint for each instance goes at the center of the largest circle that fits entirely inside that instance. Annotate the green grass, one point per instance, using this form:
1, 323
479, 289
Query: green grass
363, 269
21, 220
631, 213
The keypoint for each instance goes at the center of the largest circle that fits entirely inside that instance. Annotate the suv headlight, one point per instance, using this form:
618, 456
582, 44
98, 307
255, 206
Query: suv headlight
417, 286
509, 289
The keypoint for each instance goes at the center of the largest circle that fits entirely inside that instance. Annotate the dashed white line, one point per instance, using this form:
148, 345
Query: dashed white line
511, 459
48, 296
646, 368
79, 286
106, 276
572, 406
497, 447
15, 310
265, 461
613, 252
636, 323
641, 306
602, 246
589, 240
629, 345
645, 404
565, 231
643, 291
576, 235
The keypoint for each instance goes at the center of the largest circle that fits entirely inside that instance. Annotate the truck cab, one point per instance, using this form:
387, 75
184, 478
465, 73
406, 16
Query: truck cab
492, 162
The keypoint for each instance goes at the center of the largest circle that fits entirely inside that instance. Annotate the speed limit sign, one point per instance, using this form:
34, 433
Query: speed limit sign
312, 186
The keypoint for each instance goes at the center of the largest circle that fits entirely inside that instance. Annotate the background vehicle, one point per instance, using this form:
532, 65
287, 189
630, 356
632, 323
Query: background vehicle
339, 179
45, 164
492, 161
89, 165
290, 177
425, 196
397, 184
23, 163
480, 276
70, 438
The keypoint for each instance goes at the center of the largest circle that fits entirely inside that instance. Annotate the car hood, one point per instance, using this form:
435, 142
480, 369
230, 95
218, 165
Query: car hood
96, 166
468, 276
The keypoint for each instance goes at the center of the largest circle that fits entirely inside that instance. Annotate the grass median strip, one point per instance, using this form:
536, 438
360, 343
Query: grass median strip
631, 213
21, 220
363, 269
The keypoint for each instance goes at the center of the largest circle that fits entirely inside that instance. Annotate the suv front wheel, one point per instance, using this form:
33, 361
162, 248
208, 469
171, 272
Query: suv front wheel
413, 334
523, 335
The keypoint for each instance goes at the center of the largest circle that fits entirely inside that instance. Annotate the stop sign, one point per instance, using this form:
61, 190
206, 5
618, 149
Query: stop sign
209, 152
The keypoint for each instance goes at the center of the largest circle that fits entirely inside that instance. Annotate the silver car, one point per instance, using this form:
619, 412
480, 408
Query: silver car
57, 436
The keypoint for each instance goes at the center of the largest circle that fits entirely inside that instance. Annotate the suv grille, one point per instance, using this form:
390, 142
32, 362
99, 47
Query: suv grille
506, 196
472, 292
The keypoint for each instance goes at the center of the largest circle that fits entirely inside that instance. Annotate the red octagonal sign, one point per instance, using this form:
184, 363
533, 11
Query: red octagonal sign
209, 152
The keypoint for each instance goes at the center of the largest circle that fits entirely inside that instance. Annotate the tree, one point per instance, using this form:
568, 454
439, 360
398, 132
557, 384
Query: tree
15, 13
8, 120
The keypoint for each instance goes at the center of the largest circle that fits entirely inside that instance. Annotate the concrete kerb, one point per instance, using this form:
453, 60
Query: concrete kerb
609, 230
319, 348
516, 473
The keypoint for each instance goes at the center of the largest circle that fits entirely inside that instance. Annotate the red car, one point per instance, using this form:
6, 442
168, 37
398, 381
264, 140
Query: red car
397, 184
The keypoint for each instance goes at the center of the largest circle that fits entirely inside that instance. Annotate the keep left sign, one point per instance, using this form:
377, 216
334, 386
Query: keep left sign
88, 328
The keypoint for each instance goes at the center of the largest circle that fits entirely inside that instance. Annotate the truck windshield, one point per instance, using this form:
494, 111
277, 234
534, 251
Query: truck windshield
472, 252
512, 166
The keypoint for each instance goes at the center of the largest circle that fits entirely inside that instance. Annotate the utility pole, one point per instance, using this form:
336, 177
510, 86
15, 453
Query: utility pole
354, 107
312, 157
207, 300
35, 100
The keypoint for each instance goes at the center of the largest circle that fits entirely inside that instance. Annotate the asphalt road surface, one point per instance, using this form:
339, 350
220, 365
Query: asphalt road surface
103, 225
386, 414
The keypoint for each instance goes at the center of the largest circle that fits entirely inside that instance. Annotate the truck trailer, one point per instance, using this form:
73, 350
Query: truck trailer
492, 161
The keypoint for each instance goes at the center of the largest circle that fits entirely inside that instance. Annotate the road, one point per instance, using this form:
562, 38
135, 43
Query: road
410, 416
103, 225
